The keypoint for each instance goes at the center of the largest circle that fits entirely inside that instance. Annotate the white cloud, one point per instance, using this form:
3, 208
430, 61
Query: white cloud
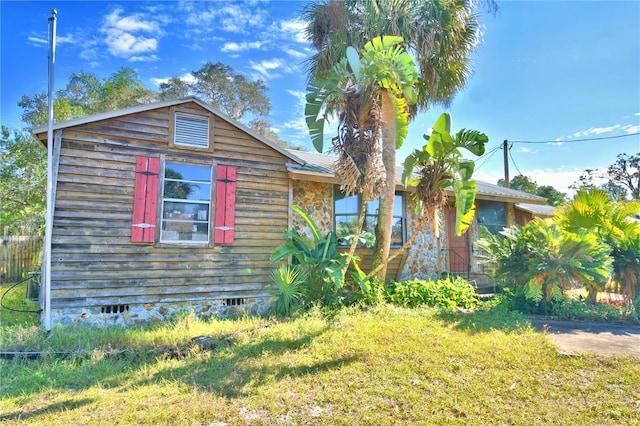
237, 18
38, 40
133, 37
265, 68
631, 129
526, 150
240, 47
148, 58
187, 78
294, 29
295, 53
295, 130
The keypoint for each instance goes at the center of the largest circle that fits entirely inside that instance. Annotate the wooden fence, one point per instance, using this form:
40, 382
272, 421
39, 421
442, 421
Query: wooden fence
19, 255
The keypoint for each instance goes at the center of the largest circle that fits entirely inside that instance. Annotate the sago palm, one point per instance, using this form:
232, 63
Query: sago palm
544, 260
612, 222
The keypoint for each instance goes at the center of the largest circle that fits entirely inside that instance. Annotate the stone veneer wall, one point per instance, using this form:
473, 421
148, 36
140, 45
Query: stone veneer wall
316, 199
425, 257
153, 312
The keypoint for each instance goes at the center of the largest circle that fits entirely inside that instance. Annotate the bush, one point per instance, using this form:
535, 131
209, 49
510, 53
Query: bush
289, 287
569, 308
544, 259
446, 293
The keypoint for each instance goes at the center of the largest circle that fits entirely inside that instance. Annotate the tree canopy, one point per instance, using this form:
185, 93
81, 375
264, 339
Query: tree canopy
621, 180
526, 184
23, 175
219, 85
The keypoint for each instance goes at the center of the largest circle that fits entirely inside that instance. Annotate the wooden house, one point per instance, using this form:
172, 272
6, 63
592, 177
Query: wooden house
163, 207
173, 206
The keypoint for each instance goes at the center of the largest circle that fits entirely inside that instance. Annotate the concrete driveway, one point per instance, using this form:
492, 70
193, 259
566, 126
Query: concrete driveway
576, 337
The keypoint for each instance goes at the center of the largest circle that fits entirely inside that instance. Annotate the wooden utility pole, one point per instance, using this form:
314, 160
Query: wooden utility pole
505, 148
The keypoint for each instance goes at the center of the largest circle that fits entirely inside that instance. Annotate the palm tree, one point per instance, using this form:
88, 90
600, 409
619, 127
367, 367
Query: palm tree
439, 34
543, 259
595, 211
370, 95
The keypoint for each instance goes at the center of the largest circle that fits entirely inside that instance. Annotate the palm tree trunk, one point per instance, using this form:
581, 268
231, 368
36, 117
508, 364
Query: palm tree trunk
387, 196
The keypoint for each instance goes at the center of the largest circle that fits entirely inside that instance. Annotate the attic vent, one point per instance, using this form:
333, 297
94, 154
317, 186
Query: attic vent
191, 130
114, 309
238, 301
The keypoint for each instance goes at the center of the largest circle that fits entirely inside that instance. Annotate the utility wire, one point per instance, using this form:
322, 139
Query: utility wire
514, 161
487, 156
581, 140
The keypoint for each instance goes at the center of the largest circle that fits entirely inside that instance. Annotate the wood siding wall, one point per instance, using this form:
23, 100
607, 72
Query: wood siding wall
94, 262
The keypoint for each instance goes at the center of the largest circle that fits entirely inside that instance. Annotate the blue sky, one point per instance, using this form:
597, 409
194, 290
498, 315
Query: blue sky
544, 71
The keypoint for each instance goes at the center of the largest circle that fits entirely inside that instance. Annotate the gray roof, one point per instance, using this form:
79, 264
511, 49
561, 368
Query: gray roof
538, 210
322, 165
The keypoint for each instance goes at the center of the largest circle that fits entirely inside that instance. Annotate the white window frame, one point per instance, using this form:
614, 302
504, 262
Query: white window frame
209, 204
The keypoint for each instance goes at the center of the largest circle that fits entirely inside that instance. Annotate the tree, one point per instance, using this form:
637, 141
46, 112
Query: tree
621, 179
521, 183
439, 34
35, 109
219, 85
526, 184
23, 175
86, 94
542, 259
231, 93
440, 166
626, 173
553, 196
370, 94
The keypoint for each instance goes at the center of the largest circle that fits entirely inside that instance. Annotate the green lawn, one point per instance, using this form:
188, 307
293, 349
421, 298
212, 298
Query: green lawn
16, 298
382, 366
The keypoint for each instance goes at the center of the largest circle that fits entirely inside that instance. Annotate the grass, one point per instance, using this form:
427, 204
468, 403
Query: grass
16, 299
381, 366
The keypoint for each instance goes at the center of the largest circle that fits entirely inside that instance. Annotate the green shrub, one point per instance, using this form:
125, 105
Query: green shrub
544, 259
318, 256
289, 288
446, 293
569, 308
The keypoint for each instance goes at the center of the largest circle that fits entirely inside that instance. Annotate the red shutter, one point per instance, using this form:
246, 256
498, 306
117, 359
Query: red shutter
145, 200
225, 205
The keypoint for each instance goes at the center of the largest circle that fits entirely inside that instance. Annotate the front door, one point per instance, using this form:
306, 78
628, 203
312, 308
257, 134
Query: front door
458, 254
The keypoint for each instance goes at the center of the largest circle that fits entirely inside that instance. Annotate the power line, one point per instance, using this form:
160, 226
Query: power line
580, 140
514, 161
487, 156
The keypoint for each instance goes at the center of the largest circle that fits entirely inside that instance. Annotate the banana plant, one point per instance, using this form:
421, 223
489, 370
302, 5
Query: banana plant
317, 256
440, 166
384, 66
